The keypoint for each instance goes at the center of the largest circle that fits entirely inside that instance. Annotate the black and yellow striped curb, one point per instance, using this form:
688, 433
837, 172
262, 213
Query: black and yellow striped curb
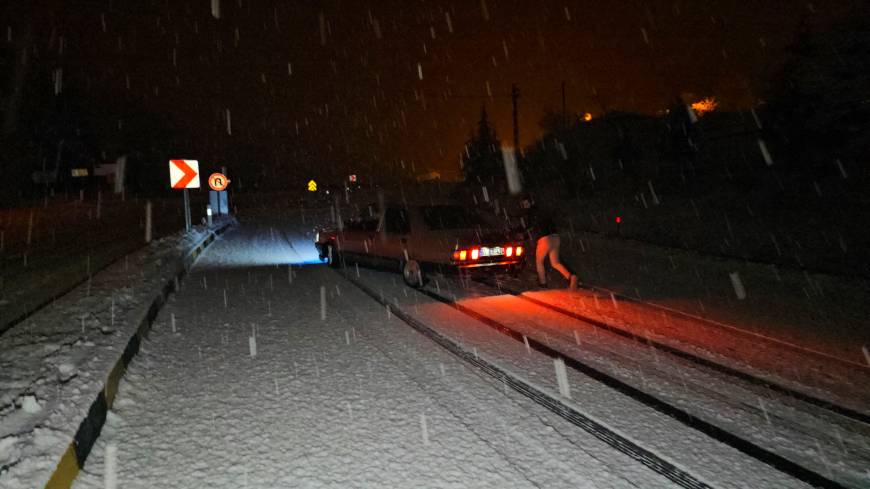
73, 459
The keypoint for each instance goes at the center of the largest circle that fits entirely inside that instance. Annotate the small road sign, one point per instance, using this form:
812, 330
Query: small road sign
312, 186
218, 181
183, 174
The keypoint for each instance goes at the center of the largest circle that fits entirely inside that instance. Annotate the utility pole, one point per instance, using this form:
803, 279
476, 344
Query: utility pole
515, 95
564, 110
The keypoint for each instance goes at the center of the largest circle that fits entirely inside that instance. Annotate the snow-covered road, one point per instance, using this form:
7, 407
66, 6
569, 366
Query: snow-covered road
260, 374
357, 399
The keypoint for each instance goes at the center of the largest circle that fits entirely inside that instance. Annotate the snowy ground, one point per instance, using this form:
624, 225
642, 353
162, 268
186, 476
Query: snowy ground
260, 375
348, 395
823, 441
53, 364
814, 311
357, 399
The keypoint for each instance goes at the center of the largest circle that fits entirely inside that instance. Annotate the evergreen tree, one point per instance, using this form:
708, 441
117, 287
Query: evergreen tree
819, 102
482, 159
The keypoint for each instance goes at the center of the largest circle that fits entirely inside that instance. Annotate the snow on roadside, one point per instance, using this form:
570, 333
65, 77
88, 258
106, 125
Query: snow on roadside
815, 311
54, 364
68, 244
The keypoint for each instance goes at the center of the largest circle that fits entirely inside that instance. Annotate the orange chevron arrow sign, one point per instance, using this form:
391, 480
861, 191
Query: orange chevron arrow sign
183, 174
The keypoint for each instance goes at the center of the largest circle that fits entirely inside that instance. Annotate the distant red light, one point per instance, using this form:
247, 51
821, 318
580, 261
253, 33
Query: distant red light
475, 254
618, 219
509, 252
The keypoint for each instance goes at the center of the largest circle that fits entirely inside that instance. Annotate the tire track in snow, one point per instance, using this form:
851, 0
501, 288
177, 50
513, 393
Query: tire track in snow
389, 351
759, 453
831, 406
558, 406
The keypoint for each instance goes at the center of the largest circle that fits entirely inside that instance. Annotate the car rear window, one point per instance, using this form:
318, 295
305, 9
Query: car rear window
451, 217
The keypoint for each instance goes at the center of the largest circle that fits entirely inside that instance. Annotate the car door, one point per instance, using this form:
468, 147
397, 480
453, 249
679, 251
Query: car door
359, 233
369, 225
395, 233
350, 237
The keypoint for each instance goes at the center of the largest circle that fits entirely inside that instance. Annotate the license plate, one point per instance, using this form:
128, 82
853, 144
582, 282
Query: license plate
494, 251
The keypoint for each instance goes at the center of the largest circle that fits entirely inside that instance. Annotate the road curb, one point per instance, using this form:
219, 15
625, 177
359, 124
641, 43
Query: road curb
76, 454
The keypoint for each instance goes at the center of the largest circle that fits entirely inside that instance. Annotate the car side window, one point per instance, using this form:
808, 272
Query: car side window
396, 221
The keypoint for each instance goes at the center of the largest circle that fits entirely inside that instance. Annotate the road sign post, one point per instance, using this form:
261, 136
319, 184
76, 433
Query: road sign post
184, 174
223, 197
218, 182
186, 210
219, 202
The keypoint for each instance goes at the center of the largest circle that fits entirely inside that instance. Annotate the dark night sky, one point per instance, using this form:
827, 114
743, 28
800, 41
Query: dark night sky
356, 92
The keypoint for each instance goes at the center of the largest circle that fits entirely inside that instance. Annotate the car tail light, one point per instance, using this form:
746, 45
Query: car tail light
475, 254
519, 250
509, 251
460, 255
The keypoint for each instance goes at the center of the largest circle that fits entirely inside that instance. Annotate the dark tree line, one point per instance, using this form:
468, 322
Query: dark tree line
57, 126
813, 126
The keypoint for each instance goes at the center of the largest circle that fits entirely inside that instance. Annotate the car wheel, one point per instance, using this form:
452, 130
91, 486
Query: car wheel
332, 257
412, 273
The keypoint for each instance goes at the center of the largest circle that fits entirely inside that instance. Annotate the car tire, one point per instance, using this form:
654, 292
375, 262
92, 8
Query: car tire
332, 257
412, 273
